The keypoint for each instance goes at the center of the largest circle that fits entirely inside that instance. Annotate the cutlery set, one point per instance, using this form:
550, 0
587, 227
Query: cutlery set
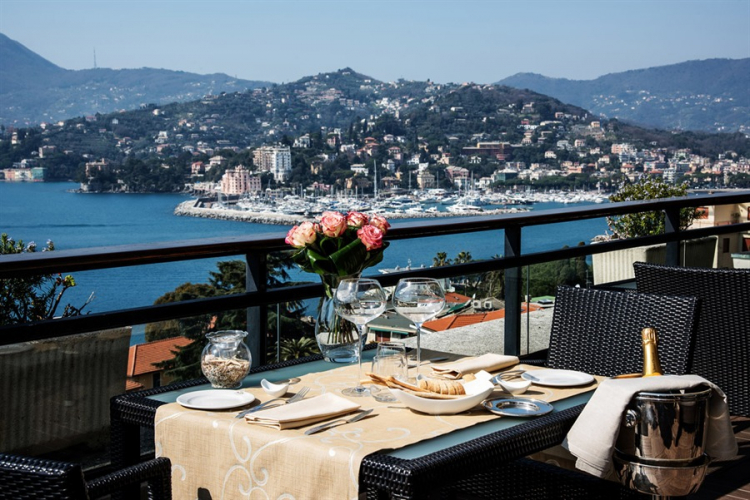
272, 403
279, 401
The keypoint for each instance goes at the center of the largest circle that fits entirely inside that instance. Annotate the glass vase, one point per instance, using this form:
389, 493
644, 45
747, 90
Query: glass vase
226, 360
336, 337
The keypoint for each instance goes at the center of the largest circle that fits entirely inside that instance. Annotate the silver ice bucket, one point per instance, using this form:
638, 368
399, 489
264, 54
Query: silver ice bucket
666, 426
660, 448
664, 478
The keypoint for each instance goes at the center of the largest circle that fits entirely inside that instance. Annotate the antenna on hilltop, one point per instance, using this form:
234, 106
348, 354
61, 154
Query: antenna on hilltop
94, 57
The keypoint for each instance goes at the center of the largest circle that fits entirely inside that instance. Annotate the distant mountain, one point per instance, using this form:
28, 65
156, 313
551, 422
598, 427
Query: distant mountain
34, 90
710, 95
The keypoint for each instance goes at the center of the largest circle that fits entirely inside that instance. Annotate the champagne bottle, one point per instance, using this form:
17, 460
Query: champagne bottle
651, 365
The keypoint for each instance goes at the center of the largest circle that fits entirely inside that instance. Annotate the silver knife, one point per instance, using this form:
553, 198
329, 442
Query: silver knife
340, 421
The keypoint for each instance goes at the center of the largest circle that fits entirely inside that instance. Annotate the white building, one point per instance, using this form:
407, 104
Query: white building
275, 159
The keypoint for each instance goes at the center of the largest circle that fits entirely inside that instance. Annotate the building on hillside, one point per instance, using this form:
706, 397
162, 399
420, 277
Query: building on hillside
425, 180
239, 181
143, 372
275, 159
499, 150
102, 165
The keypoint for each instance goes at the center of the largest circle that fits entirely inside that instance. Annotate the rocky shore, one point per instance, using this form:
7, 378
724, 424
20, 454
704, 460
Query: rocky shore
193, 208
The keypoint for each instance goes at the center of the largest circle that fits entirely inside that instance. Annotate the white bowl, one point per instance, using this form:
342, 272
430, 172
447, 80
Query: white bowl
444, 406
514, 387
274, 390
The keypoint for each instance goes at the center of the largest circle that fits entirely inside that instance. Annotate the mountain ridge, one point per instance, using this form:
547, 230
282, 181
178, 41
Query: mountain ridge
35, 90
708, 95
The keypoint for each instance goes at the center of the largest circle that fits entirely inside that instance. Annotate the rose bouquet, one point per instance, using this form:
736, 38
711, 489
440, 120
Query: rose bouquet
340, 245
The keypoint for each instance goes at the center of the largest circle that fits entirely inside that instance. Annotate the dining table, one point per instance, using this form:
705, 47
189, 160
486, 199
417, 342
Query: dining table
393, 452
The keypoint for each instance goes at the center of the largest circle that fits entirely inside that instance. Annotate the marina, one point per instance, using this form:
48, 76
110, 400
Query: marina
292, 209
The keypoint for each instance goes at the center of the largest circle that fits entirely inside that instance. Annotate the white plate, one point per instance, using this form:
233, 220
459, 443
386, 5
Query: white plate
442, 406
558, 378
215, 399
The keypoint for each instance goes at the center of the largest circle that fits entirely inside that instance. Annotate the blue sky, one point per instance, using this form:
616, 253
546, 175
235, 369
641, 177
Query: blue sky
445, 41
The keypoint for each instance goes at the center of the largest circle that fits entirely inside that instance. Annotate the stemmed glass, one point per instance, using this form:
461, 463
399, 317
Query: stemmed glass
418, 299
359, 300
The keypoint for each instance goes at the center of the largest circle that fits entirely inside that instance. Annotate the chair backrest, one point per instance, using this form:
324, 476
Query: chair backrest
26, 478
599, 331
722, 339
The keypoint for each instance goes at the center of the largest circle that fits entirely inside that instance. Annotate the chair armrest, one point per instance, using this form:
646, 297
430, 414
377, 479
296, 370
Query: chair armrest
534, 362
157, 473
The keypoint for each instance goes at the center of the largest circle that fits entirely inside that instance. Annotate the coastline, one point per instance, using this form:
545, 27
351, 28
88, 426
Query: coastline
189, 209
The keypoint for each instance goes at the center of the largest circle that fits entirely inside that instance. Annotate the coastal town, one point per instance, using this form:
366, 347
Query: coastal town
344, 141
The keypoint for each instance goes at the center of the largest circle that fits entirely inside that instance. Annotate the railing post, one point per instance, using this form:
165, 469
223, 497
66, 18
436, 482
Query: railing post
672, 225
512, 344
257, 316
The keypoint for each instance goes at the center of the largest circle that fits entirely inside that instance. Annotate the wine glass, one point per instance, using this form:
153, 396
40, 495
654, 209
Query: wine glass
418, 299
359, 300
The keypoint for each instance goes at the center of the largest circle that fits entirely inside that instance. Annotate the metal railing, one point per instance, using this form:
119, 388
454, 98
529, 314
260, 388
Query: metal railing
256, 248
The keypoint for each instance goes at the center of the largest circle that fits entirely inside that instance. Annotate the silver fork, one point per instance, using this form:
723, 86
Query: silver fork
300, 394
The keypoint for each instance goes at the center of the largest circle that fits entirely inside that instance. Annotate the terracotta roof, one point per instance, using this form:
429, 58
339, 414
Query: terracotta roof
132, 385
456, 298
143, 357
459, 320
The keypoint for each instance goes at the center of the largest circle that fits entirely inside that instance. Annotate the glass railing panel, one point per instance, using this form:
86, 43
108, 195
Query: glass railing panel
55, 394
539, 285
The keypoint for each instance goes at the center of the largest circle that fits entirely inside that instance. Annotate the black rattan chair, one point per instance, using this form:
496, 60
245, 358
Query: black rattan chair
26, 478
722, 339
598, 332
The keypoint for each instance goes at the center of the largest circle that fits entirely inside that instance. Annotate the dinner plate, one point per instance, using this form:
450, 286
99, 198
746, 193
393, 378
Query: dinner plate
558, 378
215, 399
518, 407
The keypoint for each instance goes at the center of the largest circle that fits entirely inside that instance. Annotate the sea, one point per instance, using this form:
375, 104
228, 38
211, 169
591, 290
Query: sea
37, 212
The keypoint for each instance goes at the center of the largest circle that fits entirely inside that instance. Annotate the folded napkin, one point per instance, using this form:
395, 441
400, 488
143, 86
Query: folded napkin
488, 362
302, 413
594, 434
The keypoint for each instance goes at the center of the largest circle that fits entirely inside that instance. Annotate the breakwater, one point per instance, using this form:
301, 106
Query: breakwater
194, 208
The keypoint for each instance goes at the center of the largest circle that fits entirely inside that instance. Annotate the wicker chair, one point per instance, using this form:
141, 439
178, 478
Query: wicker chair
25, 478
598, 332
722, 339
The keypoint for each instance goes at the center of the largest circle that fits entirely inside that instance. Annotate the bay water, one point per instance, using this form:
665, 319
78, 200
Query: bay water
53, 211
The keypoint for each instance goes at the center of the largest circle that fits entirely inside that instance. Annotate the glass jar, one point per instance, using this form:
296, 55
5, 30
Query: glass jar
226, 359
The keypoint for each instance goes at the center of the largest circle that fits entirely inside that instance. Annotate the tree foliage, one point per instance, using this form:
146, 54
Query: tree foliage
25, 300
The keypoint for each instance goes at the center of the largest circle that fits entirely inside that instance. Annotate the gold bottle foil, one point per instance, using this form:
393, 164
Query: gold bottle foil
651, 365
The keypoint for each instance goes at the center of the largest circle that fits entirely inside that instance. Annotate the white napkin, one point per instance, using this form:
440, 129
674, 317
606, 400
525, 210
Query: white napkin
302, 413
489, 362
594, 434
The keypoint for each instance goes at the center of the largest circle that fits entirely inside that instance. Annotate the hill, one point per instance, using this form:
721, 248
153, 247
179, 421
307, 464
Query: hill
34, 90
710, 95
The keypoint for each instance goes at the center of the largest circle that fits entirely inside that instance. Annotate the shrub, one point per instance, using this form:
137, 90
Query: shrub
647, 223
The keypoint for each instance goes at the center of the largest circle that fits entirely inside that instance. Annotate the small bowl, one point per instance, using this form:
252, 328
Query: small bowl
274, 390
514, 387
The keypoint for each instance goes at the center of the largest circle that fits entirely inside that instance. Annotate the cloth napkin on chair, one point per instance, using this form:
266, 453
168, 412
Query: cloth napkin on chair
489, 362
594, 434
302, 413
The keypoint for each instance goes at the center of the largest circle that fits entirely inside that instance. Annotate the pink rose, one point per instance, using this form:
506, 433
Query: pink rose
333, 224
371, 237
379, 222
302, 235
356, 219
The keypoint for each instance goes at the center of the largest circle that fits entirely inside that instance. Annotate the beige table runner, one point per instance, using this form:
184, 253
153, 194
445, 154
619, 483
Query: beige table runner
214, 453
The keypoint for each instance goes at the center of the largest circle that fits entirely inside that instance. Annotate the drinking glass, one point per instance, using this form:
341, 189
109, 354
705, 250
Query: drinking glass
390, 364
418, 299
359, 300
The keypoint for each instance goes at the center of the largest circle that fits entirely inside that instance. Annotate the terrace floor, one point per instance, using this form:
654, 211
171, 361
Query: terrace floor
732, 481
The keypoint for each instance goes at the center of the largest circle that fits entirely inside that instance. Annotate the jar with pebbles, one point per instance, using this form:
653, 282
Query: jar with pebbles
226, 359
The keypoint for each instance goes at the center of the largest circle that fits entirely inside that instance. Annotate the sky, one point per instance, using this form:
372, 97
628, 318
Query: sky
444, 41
